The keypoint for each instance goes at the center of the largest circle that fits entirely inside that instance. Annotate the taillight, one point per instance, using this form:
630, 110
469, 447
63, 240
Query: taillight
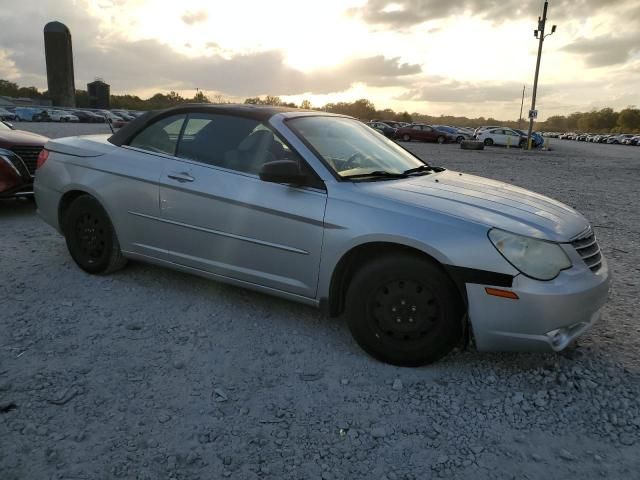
44, 154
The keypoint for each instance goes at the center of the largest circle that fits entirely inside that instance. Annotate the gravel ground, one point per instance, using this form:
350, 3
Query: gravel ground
153, 374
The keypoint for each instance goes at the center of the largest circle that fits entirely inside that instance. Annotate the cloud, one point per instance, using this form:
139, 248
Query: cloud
191, 18
441, 90
149, 64
605, 50
407, 13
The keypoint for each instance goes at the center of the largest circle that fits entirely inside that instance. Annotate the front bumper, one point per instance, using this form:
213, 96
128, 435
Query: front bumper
547, 316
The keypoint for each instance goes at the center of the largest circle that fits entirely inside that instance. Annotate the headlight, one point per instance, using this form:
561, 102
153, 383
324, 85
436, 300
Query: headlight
537, 259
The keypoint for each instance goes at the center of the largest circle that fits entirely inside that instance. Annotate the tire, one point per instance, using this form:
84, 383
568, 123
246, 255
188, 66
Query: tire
488, 142
406, 137
421, 295
91, 239
440, 140
523, 144
459, 139
471, 145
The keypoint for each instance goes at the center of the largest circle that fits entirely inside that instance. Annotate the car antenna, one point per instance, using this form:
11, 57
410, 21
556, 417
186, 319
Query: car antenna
110, 122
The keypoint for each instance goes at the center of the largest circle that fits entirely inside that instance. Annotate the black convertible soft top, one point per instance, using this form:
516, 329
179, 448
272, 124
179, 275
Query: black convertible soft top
256, 112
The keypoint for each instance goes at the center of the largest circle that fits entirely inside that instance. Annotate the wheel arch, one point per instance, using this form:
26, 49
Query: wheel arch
358, 255
73, 193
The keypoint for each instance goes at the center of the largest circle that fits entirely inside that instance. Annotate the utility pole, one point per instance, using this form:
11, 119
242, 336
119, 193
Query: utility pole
539, 34
521, 106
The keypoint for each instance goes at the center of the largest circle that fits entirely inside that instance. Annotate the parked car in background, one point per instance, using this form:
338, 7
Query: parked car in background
502, 136
631, 140
480, 129
319, 209
87, 116
424, 133
62, 116
384, 128
7, 115
617, 139
125, 115
19, 152
454, 132
52, 115
115, 120
536, 139
26, 114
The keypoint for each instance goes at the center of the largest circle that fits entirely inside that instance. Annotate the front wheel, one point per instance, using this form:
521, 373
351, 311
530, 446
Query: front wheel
91, 239
406, 137
404, 310
488, 142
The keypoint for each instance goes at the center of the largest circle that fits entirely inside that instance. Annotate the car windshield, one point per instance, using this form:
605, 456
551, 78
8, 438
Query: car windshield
352, 149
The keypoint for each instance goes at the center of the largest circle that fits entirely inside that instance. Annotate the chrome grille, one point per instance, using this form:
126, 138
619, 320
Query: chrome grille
587, 247
29, 156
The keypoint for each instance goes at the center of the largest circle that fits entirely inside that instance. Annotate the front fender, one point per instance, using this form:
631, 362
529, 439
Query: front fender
449, 240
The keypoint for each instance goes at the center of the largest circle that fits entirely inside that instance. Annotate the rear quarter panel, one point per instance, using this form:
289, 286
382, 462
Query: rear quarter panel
121, 180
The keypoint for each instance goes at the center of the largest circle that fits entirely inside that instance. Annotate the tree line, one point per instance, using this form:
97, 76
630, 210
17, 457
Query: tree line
605, 120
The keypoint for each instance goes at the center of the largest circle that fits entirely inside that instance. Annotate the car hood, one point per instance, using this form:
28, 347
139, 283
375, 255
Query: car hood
487, 202
20, 137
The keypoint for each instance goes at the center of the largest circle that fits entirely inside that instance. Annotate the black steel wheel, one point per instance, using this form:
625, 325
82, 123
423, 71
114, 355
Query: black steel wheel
404, 310
90, 237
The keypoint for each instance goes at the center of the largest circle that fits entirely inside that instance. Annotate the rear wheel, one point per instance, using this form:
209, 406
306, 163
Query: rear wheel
459, 139
90, 237
488, 142
441, 139
403, 310
406, 137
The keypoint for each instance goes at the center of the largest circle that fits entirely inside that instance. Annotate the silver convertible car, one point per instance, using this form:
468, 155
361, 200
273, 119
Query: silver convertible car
321, 209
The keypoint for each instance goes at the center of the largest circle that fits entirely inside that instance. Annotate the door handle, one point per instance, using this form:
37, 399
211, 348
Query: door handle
182, 177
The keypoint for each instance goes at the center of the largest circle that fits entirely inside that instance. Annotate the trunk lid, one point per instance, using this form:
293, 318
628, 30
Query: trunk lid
82, 146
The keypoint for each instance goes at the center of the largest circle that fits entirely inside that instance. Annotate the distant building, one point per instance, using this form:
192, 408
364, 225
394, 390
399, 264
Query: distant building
99, 94
59, 57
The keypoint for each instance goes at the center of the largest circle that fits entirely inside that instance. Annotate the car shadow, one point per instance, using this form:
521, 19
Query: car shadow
16, 207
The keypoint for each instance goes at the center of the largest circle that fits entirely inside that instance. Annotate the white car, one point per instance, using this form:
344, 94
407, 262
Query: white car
501, 136
62, 116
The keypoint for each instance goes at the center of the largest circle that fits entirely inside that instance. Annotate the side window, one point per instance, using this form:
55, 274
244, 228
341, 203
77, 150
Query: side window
428, 129
161, 136
232, 142
417, 127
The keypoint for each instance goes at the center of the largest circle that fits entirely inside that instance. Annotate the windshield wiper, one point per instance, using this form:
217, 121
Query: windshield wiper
377, 174
421, 168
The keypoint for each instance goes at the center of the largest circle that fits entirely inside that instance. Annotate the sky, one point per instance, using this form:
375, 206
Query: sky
469, 57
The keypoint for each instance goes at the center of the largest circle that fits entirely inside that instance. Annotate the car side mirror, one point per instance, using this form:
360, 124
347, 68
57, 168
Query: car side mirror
282, 171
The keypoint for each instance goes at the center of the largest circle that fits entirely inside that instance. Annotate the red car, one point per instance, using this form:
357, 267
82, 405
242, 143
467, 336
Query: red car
19, 152
423, 133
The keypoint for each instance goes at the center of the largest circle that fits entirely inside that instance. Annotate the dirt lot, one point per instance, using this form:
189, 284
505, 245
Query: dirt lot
152, 374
